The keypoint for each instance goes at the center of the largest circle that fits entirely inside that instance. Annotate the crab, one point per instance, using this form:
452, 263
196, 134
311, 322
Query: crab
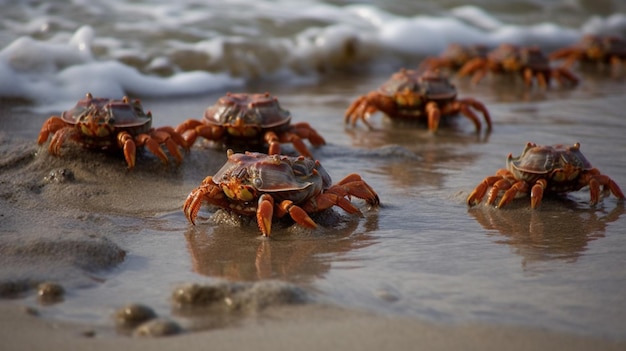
415, 95
593, 49
252, 119
539, 169
454, 57
108, 124
529, 62
267, 186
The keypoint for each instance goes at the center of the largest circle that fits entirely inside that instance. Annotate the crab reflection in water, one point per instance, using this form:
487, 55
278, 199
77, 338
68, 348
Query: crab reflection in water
236, 253
550, 234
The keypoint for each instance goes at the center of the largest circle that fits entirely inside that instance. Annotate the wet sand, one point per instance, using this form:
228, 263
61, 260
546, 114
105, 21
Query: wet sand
309, 327
48, 202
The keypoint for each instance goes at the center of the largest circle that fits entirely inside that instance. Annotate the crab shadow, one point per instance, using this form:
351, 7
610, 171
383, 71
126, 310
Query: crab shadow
231, 248
560, 229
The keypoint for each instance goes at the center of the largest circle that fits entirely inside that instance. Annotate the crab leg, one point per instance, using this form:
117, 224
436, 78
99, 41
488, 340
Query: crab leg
351, 113
594, 179
164, 137
152, 145
476, 67
364, 106
265, 213
207, 190
536, 193
351, 185
518, 187
126, 143
297, 142
463, 105
528, 75
60, 137
434, 116
296, 212
476, 196
304, 130
271, 139
570, 55
51, 125
563, 75
178, 139
191, 129
501, 185
328, 200
356, 186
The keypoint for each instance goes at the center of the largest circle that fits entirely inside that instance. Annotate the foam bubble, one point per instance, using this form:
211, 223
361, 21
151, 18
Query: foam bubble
52, 74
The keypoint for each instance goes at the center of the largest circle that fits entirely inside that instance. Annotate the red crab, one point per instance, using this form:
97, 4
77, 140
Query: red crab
454, 57
540, 169
593, 49
414, 95
252, 119
267, 186
102, 123
529, 62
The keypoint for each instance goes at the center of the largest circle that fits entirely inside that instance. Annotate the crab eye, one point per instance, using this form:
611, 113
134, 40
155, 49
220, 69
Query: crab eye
258, 183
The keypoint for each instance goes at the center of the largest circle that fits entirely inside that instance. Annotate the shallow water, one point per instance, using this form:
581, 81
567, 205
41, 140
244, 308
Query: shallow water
422, 254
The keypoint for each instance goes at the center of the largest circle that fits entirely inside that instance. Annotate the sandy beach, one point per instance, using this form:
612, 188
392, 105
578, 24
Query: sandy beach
302, 328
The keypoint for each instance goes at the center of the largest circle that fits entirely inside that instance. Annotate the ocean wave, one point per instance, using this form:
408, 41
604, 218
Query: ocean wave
195, 59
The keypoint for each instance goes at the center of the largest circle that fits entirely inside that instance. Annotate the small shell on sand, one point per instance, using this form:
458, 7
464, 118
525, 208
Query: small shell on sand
133, 315
50, 293
157, 327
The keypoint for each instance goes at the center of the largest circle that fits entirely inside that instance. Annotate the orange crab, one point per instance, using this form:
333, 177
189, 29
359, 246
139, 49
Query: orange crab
593, 49
267, 186
529, 62
102, 123
250, 119
415, 95
454, 57
540, 169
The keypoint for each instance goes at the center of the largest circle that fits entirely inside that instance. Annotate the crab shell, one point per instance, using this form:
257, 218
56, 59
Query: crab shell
514, 58
458, 54
245, 177
560, 164
431, 85
256, 112
455, 56
593, 48
100, 119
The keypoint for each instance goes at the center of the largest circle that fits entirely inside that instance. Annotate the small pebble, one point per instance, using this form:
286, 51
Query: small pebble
132, 315
200, 295
89, 333
32, 311
50, 293
157, 327
61, 175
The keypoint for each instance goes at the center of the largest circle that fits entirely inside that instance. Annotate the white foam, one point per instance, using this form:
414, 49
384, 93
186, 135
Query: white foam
614, 24
63, 67
53, 75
